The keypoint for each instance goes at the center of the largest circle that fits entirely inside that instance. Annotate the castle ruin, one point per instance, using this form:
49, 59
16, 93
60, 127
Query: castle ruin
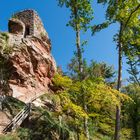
26, 23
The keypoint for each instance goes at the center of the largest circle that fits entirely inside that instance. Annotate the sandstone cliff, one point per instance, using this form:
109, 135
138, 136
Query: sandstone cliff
26, 66
26, 63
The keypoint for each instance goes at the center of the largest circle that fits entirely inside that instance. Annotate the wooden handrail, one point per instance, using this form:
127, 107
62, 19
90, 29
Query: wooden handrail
18, 119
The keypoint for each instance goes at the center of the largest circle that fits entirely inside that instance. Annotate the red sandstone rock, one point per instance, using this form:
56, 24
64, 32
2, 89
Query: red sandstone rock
29, 64
26, 63
32, 69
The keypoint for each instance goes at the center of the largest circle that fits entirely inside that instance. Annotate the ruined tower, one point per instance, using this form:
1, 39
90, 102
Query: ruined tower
27, 23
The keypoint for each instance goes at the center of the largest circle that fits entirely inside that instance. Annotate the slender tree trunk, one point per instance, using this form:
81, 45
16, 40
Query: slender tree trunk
79, 52
85, 119
79, 55
78, 45
117, 125
119, 83
86, 124
80, 64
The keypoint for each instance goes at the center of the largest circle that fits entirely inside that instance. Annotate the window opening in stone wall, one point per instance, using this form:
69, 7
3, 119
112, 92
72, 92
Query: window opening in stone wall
27, 30
15, 27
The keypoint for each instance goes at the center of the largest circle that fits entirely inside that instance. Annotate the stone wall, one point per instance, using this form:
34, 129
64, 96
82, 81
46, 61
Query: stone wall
27, 17
32, 22
39, 30
14, 39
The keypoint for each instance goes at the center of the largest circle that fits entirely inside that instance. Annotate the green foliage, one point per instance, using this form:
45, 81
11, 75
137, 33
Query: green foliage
24, 134
9, 137
4, 36
4, 46
99, 98
131, 110
81, 13
99, 27
134, 70
126, 13
63, 117
105, 129
94, 69
4, 75
126, 134
12, 105
99, 136
122, 11
50, 126
60, 81
71, 108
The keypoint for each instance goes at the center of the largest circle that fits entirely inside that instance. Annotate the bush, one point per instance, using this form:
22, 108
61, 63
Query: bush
9, 137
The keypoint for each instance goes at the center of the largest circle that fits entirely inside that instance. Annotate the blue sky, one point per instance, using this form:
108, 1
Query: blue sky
100, 47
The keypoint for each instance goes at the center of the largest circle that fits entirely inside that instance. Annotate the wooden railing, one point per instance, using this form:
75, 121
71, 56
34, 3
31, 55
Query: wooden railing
21, 116
18, 119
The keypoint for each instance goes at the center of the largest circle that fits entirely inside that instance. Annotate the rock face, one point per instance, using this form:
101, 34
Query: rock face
4, 120
26, 63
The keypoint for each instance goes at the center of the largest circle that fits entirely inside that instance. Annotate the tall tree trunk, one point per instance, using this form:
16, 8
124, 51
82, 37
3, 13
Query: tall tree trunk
86, 124
117, 125
79, 55
80, 64
79, 52
119, 83
85, 119
78, 46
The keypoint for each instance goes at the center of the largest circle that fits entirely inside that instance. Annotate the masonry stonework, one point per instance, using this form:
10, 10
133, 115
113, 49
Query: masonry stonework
30, 24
